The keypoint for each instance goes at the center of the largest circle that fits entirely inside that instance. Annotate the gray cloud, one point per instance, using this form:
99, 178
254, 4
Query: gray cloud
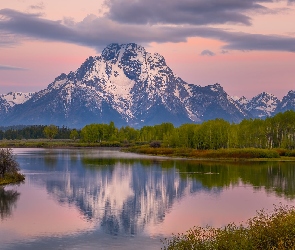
97, 32
39, 6
224, 51
7, 67
207, 52
197, 12
92, 31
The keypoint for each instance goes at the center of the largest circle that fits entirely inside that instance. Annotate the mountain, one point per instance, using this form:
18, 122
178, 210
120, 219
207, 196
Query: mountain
127, 85
287, 103
130, 86
260, 106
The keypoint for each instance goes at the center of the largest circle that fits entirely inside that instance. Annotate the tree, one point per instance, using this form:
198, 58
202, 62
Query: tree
74, 135
50, 131
8, 164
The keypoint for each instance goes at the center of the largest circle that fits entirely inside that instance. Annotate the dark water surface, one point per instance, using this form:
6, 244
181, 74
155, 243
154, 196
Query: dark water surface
105, 199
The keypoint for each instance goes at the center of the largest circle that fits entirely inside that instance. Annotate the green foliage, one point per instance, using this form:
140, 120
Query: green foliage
31, 132
74, 135
50, 131
12, 178
273, 132
264, 231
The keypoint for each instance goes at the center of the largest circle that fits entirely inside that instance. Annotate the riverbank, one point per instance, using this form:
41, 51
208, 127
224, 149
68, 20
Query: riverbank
234, 154
12, 179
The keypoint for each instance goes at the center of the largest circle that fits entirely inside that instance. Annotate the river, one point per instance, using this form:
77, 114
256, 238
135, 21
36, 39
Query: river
106, 199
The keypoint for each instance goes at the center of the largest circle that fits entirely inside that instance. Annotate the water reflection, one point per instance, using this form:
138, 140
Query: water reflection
8, 199
275, 177
122, 194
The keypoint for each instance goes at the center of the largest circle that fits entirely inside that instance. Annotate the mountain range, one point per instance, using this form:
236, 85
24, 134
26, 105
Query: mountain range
130, 86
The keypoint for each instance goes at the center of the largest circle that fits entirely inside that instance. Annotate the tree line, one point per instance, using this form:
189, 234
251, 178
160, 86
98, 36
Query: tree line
273, 132
32, 132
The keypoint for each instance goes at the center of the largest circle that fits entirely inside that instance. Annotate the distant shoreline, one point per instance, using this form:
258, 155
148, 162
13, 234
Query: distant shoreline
235, 154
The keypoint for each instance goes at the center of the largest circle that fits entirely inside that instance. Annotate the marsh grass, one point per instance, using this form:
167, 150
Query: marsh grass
264, 231
12, 178
246, 153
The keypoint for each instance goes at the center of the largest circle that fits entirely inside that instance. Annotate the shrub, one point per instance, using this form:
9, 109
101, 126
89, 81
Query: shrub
290, 153
155, 144
8, 164
264, 231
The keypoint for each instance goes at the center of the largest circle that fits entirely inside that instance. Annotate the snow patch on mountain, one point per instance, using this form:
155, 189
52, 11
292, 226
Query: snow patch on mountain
14, 98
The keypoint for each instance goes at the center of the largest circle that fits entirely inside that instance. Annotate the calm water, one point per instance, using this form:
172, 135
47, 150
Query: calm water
104, 199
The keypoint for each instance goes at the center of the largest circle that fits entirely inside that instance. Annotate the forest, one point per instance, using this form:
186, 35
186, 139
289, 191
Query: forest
273, 132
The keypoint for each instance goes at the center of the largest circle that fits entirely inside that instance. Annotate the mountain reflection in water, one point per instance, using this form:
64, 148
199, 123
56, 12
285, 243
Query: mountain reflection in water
123, 196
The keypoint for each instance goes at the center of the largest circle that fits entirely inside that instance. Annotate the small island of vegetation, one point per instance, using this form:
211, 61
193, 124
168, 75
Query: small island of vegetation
9, 168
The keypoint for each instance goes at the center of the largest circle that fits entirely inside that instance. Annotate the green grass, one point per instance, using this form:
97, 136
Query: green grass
12, 178
264, 231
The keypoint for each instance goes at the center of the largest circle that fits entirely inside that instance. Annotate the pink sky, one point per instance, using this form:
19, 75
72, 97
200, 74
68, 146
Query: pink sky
248, 47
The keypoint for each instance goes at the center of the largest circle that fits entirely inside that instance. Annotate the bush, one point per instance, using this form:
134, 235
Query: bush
8, 164
264, 231
155, 144
290, 153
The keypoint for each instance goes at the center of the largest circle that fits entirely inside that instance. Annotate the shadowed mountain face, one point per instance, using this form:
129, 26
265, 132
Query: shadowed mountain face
130, 86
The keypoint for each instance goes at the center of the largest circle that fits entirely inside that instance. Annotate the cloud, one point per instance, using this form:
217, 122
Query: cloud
93, 31
7, 67
39, 6
97, 32
197, 12
207, 52
224, 51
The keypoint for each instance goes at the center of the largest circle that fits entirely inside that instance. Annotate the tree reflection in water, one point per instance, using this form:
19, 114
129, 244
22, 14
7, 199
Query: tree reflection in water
8, 199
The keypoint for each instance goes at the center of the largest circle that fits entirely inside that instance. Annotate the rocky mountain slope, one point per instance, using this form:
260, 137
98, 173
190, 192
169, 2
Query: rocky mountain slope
260, 106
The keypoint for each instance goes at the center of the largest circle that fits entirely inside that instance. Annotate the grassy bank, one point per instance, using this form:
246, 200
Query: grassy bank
247, 153
264, 231
12, 179
54, 143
